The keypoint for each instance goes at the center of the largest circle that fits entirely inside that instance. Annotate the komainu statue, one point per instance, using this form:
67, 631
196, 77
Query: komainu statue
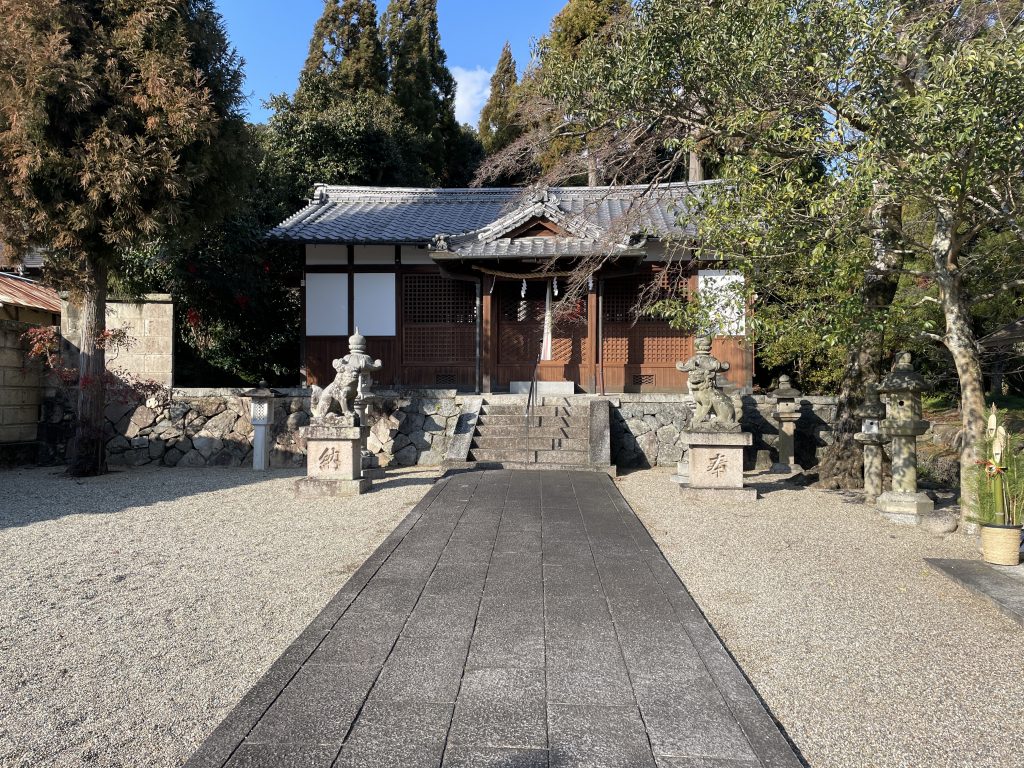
702, 370
352, 380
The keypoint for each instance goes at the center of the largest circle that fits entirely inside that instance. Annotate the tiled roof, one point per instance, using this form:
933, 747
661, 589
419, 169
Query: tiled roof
33, 260
21, 292
390, 215
526, 247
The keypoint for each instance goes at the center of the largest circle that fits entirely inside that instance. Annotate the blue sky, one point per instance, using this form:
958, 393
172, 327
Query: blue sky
273, 38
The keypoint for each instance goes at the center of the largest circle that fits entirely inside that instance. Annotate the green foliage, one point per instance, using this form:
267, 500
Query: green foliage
345, 54
424, 89
498, 124
362, 139
582, 20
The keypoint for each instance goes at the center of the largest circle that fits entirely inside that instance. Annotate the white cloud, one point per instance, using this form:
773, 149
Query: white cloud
473, 88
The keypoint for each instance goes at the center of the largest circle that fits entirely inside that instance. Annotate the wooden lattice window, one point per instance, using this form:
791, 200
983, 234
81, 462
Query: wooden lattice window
621, 295
643, 379
439, 320
516, 308
435, 299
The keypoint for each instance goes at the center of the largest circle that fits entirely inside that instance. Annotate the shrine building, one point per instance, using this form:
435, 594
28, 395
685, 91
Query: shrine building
457, 288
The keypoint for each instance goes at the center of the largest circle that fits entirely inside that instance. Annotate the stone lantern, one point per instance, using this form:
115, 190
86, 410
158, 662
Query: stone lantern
261, 414
871, 414
902, 389
786, 414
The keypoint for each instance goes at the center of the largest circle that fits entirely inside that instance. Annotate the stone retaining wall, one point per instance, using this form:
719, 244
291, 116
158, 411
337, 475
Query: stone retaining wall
647, 429
210, 427
199, 428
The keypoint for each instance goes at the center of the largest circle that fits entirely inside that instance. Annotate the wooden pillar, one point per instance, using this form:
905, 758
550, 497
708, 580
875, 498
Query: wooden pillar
593, 340
487, 341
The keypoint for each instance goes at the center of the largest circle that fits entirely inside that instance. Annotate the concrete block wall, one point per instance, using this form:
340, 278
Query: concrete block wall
150, 324
20, 387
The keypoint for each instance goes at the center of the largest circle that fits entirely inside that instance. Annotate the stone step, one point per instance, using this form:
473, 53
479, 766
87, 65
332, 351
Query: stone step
520, 410
573, 458
474, 465
519, 420
517, 442
563, 456
510, 431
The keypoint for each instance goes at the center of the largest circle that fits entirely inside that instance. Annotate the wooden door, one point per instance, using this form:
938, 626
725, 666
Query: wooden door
520, 331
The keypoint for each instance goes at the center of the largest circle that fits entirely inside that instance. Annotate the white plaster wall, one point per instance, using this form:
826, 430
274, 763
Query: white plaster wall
321, 255
326, 304
373, 254
412, 254
375, 303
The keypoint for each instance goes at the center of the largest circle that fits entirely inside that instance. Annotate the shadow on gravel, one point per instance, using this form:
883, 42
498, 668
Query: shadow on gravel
32, 495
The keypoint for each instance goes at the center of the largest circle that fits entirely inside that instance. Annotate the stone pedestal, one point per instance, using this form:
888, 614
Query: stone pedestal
716, 465
787, 415
873, 456
904, 503
903, 423
333, 460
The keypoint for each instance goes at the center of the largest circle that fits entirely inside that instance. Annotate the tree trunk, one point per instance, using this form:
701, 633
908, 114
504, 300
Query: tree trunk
842, 466
88, 447
963, 346
696, 171
593, 171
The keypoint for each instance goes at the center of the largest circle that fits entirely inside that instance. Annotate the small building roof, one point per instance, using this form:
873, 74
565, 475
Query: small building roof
1005, 337
468, 217
19, 291
31, 261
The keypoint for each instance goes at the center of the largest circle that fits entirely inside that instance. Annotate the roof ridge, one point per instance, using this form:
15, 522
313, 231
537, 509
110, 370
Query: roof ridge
502, 191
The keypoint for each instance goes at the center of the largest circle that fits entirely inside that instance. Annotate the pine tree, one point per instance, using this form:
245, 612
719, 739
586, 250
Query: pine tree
114, 119
423, 87
498, 124
345, 54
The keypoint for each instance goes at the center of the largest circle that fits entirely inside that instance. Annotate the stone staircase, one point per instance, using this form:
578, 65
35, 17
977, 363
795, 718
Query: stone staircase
558, 435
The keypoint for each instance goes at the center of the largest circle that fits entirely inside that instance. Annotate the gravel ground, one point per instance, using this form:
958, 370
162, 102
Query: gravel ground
865, 655
137, 608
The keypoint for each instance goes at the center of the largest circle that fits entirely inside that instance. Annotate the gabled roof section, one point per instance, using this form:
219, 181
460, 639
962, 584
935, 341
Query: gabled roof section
18, 291
467, 218
541, 205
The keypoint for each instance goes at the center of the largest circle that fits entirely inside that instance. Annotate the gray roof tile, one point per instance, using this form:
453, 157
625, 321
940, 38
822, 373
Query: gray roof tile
392, 215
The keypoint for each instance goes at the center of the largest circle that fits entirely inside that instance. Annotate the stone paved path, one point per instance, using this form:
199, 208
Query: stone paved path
513, 620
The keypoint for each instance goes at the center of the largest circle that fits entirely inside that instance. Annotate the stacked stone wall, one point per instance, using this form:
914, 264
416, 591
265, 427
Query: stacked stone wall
204, 428
647, 430
199, 428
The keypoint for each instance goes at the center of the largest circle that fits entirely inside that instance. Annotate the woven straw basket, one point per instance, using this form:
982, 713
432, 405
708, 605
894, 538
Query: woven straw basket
1000, 544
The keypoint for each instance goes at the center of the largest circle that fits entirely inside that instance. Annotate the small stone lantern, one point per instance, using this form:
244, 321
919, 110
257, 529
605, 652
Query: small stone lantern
261, 414
787, 414
902, 389
871, 413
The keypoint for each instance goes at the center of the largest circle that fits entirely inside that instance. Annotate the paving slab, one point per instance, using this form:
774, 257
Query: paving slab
515, 619
1002, 586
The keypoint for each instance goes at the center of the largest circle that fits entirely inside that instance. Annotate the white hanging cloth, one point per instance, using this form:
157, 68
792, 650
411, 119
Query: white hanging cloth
545, 348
